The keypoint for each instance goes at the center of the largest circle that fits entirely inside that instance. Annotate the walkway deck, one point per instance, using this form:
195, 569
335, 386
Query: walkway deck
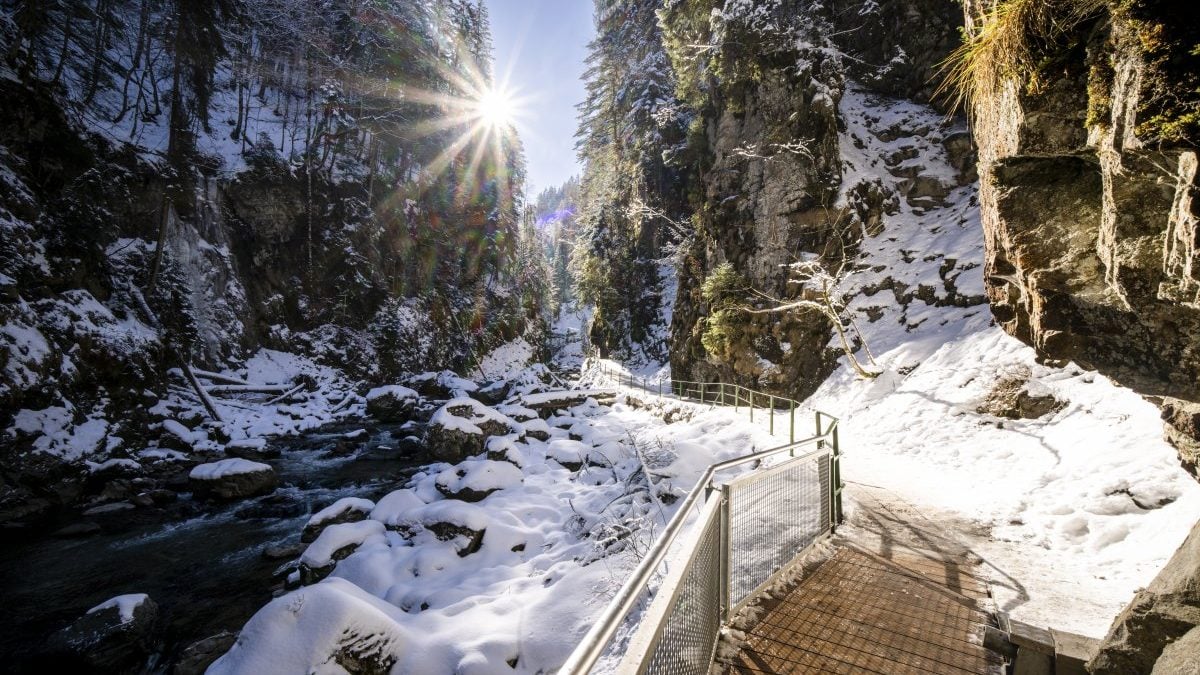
897, 597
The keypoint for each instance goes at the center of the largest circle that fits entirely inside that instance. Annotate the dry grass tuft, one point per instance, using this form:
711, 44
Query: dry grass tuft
1005, 45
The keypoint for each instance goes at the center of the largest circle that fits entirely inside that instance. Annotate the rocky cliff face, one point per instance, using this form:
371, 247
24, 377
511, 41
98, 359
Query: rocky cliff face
778, 182
1088, 184
1090, 216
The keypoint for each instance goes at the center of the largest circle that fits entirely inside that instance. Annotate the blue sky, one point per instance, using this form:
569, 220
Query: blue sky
541, 45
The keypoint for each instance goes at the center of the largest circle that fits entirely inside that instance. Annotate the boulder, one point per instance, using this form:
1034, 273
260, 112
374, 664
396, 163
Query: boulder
392, 403
346, 510
198, 656
117, 635
232, 479
460, 429
464, 524
1163, 612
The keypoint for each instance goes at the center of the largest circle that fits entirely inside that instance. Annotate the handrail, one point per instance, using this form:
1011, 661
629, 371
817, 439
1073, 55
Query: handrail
598, 636
724, 391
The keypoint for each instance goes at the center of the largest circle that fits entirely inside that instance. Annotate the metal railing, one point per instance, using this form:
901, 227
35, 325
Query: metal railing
748, 529
716, 393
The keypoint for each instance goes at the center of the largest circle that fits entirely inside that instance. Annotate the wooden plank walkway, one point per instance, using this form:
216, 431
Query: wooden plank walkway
862, 613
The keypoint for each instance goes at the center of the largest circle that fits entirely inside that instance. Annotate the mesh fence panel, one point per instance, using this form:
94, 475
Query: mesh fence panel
689, 634
774, 514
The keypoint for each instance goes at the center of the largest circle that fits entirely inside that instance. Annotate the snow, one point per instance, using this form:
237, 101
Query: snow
224, 468
57, 433
505, 361
1072, 512
124, 463
125, 605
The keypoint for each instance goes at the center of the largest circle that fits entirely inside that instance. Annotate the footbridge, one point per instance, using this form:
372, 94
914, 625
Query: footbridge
752, 575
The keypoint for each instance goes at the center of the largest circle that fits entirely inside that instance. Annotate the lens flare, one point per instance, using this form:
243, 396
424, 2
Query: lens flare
495, 108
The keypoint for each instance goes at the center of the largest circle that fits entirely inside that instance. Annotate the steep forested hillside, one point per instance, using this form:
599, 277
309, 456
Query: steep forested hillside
186, 183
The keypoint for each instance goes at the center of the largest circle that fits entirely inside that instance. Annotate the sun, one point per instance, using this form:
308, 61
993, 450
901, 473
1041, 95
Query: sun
495, 108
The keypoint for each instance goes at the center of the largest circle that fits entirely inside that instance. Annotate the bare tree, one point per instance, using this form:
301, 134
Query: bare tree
821, 289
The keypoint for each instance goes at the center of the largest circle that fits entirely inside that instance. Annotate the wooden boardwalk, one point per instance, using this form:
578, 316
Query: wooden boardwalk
859, 612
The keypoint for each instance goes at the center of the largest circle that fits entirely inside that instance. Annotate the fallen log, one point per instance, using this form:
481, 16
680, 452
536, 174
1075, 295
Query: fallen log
285, 395
248, 389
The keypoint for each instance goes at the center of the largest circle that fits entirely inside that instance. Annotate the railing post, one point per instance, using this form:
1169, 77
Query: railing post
792, 422
726, 569
703, 387
737, 397
820, 444
660, 386
722, 393
772, 425
751, 404
837, 477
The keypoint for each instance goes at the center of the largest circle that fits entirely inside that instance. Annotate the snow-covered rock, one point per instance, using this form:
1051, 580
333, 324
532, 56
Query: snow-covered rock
392, 403
443, 385
546, 403
251, 448
330, 623
473, 480
345, 510
461, 427
117, 635
232, 479
336, 543
398, 510
569, 453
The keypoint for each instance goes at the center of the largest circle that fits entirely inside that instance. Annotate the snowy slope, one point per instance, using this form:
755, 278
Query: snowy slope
1073, 511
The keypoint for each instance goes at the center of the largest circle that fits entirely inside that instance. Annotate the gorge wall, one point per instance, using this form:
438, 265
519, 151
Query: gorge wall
775, 186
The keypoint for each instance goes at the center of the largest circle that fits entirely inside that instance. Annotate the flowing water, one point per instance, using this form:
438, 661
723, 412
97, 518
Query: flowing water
202, 563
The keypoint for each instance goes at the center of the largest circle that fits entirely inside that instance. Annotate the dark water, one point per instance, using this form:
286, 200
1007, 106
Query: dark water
202, 563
